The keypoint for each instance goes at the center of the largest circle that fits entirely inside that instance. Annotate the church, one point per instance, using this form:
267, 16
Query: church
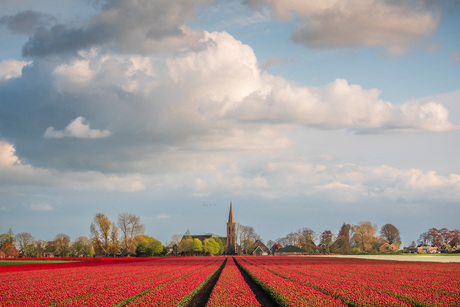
231, 234
230, 247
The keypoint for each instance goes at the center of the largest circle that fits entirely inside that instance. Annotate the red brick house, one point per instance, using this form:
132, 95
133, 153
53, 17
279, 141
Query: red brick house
388, 248
8, 250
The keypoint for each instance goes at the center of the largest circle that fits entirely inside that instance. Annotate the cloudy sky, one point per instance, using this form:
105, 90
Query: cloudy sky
302, 113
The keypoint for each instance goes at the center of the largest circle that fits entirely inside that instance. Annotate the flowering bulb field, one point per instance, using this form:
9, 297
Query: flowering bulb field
288, 281
357, 282
231, 289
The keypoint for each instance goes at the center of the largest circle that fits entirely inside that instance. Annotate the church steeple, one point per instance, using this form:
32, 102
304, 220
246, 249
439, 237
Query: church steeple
230, 215
231, 233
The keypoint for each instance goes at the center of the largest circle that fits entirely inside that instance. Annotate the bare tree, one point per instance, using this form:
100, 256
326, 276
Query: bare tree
25, 241
307, 238
61, 245
364, 235
390, 233
100, 232
81, 247
114, 244
246, 236
326, 241
131, 227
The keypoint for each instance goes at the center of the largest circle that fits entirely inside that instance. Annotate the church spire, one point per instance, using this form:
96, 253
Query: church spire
230, 215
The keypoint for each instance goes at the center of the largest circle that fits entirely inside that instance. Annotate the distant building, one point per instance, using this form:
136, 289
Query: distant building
388, 248
7, 250
423, 249
260, 249
231, 233
290, 251
275, 248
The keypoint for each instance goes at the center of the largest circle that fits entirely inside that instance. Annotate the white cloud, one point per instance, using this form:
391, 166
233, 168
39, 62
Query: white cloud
76, 129
15, 173
352, 23
40, 207
343, 183
163, 217
11, 68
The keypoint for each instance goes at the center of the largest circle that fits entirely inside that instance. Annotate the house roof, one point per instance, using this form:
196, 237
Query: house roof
290, 249
262, 246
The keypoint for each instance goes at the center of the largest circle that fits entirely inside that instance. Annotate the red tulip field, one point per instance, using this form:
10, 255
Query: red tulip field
238, 281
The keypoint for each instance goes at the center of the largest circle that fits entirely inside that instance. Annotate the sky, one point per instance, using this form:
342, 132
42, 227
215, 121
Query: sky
300, 113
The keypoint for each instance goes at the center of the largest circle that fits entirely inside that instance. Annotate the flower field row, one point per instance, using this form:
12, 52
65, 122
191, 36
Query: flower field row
291, 281
231, 289
105, 285
367, 283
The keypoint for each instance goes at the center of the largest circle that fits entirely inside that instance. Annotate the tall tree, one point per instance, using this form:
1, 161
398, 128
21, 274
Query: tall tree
131, 227
114, 244
246, 236
186, 245
25, 241
100, 233
197, 246
307, 239
364, 235
342, 243
435, 237
61, 245
81, 247
424, 238
9, 236
148, 246
210, 246
391, 234
326, 241
39, 248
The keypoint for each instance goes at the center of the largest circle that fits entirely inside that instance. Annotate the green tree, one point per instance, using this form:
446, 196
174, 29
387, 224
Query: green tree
148, 246
197, 246
221, 244
186, 245
211, 246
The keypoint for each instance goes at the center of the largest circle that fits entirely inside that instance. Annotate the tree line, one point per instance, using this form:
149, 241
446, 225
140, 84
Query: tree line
126, 237
366, 238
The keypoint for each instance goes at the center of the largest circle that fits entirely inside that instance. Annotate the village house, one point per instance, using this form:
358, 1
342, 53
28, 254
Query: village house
260, 249
388, 248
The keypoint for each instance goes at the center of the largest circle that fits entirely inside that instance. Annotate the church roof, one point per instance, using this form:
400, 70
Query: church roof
230, 215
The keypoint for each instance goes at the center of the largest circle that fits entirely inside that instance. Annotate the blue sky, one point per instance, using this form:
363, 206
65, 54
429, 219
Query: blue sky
304, 114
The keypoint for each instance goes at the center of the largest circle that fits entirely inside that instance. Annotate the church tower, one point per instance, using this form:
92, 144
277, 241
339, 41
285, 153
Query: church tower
231, 233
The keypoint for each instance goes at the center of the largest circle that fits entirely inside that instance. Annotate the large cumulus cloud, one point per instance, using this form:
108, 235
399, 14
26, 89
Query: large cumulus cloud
199, 114
211, 97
